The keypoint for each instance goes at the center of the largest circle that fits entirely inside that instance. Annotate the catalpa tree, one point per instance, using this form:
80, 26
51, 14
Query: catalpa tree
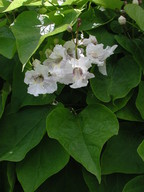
72, 96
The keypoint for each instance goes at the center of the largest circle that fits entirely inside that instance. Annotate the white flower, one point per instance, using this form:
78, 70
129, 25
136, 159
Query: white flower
80, 73
102, 69
122, 20
91, 39
97, 54
59, 53
60, 2
135, 2
70, 48
39, 80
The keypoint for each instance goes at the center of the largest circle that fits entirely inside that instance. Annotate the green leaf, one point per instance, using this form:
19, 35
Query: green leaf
122, 77
111, 4
20, 97
83, 136
135, 185
3, 5
120, 154
7, 176
21, 131
30, 31
140, 150
103, 36
70, 179
113, 106
110, 183
140, 99
135, 47
136, 13
45, 160
15, 4
6, 68
8, 43
93, 18
129, 113
3, 97
11, 175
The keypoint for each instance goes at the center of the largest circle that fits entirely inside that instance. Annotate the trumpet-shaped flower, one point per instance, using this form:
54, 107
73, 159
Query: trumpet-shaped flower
80, 74
91, 39
97, 54
71, 51
39, 80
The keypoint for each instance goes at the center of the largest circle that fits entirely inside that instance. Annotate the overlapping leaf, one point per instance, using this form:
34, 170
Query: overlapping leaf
21, 131
122, 77
83, 136
45, 160
30, 29
120, 154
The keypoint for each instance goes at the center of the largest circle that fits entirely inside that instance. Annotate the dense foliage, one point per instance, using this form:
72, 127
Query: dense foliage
85, 133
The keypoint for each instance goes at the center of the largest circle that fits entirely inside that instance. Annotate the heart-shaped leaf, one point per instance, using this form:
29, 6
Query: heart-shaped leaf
83, 136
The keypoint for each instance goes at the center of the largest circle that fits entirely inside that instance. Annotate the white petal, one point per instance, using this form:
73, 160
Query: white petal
102, 69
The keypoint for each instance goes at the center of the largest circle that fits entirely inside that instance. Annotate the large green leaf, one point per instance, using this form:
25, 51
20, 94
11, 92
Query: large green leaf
136, 13
7, 42
110, 183
140, 99
83, 136
112, 4
122, 77
45, 160
20, 97
30, 29
120, 154
21, 131
135, 185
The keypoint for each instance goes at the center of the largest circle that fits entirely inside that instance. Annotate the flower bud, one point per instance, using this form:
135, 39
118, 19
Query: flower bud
135, 2
56, 41
42, 10
48, 52
69, 29
79, 22
140, 2
122, 20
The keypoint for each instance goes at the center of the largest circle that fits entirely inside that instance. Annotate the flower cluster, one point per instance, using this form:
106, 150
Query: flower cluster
68, 64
